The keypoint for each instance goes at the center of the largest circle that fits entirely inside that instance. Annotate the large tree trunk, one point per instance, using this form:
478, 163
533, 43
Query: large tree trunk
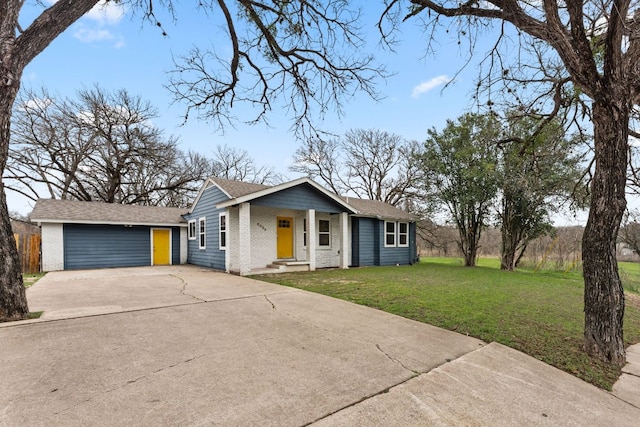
13, 300
603, 293
509, 243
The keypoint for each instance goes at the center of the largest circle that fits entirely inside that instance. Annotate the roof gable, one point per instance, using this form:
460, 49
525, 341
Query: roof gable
267, 191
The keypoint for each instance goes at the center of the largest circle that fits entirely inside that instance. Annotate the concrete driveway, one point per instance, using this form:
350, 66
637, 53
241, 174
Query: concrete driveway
188, 346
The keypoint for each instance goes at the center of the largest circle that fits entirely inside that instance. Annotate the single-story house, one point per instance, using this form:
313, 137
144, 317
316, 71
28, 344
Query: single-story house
233, 226
240, 227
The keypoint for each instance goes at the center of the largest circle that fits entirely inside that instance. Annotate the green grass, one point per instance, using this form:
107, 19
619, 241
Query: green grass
30, 279
539, 313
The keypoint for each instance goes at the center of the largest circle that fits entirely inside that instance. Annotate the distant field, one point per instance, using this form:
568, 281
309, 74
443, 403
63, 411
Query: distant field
537, 312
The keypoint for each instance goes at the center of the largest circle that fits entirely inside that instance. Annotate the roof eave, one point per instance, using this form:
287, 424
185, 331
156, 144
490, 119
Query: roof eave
386, 218
97, 222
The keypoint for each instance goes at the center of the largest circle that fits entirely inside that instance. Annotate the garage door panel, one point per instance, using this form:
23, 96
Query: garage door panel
99, 246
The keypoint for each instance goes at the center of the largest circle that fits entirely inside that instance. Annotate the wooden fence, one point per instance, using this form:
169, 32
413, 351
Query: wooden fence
29, 252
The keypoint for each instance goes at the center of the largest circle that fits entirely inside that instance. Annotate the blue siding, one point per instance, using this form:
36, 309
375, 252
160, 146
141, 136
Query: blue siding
212, 256
368, 244
300, 197
363, 241
175, 245
104, 246
394, 255
99, 246
355, 242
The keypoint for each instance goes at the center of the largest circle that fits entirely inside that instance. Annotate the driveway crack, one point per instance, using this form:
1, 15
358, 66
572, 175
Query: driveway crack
183, 291
394, 360
270, 302
129, 382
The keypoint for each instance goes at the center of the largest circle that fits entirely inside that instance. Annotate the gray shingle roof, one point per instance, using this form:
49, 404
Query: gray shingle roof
237, 188
378, 209
105, 213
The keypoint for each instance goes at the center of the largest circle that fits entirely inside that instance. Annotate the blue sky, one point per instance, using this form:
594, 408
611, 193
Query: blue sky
114, 49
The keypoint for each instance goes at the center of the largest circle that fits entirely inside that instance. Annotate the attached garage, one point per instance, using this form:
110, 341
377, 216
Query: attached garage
83, 235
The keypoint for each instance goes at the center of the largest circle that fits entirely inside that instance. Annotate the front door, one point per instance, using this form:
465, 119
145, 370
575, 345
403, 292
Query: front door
285, 237
161, 247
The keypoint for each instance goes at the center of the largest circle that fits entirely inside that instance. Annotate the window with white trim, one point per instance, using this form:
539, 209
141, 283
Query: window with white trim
389, 234
192, 229
202, 232
304, 232
403, 234
222, 230
324, 233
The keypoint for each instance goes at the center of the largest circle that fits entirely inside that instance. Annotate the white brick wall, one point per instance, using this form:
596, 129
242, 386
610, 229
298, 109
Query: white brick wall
52, 247
329, 257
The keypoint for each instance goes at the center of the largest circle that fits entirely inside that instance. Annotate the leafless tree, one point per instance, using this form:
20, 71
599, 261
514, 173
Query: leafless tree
370, 164
304, 52
101, 146
590, 52
237, 165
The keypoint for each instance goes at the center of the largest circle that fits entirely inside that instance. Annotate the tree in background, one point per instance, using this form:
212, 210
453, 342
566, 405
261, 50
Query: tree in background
459, 171
303, 53
630, 231
237, 165
539, 171
547, 54
101, 146
369, 164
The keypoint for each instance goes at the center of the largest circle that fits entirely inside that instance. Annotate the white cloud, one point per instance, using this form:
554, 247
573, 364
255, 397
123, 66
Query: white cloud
89, 35
37, 103
106, 13
426, 86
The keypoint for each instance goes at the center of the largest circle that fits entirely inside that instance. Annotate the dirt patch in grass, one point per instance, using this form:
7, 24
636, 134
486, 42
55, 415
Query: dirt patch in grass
632, 300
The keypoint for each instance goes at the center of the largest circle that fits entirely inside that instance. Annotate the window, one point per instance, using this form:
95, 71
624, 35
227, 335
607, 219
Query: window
324, 232
304, 232
202, 232
192, 229
389, 234
403, 234
222, 230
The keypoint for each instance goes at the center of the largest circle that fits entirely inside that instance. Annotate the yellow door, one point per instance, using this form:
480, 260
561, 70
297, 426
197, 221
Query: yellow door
161, 247
285, 237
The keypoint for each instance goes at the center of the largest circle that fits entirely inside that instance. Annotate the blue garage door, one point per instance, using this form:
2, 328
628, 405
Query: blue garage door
99, 246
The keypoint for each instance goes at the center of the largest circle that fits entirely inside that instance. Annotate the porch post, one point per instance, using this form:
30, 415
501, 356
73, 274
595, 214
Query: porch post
344, 240
229, 231
244, 238
311, 239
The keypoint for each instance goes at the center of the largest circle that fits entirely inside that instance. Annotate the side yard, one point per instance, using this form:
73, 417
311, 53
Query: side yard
539, 313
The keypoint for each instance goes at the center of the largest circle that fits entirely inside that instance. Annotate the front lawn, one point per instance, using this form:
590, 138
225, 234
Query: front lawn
539, 313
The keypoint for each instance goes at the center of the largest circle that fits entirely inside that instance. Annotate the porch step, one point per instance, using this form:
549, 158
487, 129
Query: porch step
282, 267
267, 270
289, 263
